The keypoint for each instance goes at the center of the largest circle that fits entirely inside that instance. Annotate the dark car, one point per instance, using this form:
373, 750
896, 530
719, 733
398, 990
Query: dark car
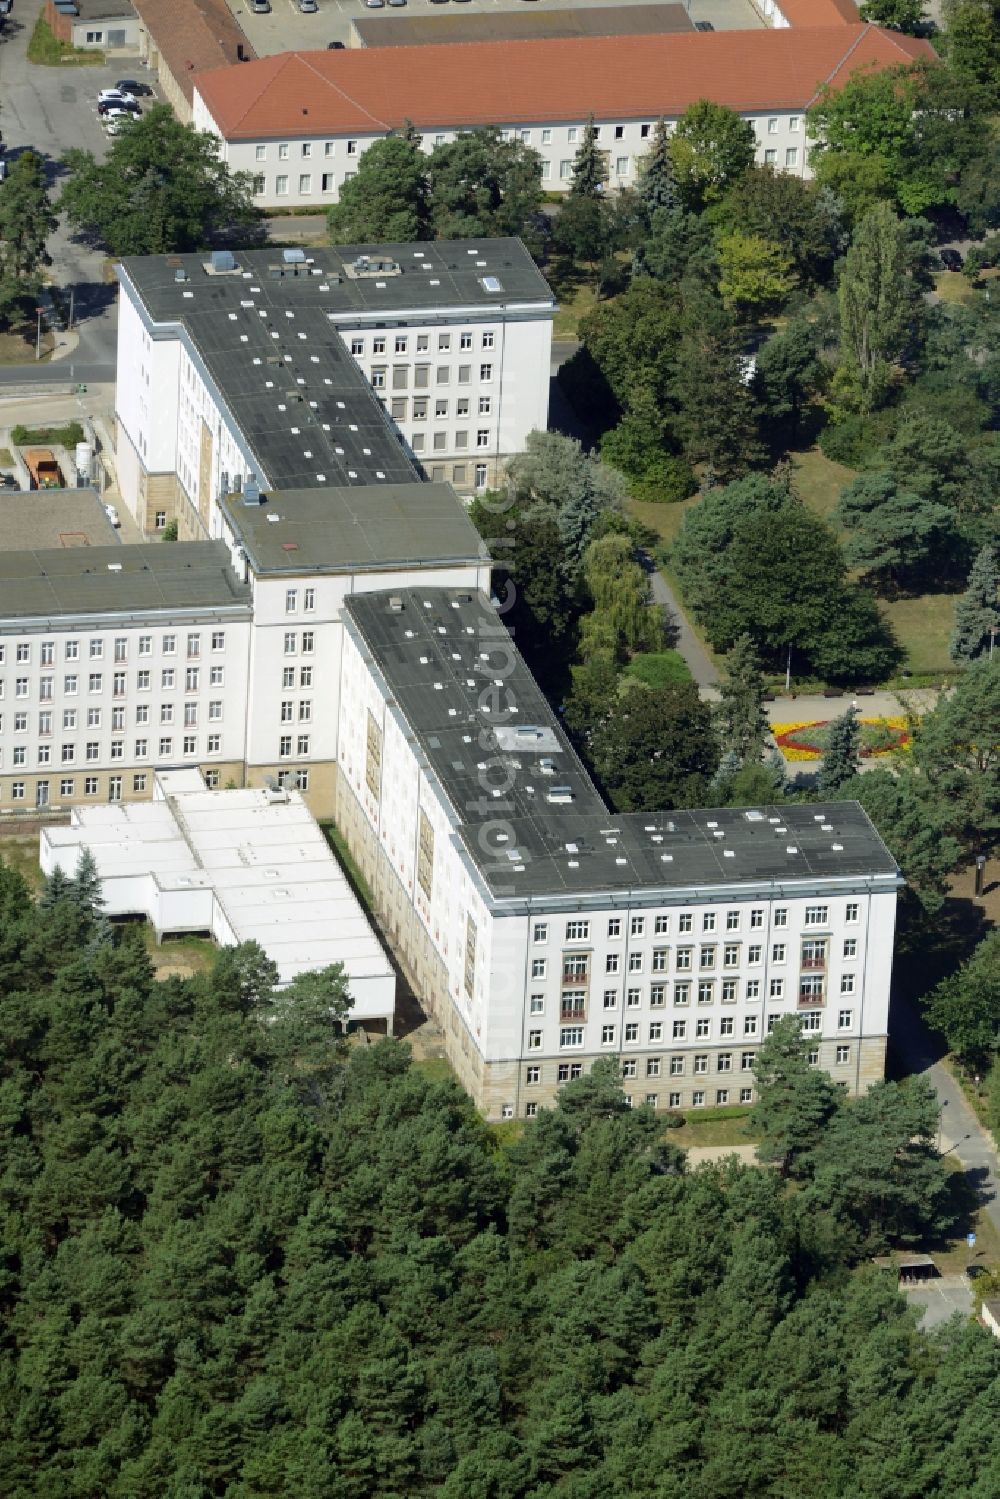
951, 259
119, 106
335, 46
131, 86
703, 26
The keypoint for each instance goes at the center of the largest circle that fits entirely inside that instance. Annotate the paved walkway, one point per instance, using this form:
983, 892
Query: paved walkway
698, 1154
810, 707
687, 643
961, 1135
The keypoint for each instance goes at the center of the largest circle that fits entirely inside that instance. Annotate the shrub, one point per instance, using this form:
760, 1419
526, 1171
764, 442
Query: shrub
66, 437
658, 668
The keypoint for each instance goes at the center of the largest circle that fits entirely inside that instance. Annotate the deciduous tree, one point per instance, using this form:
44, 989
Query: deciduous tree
656, 749
711, 147
873, 305
482, 184
26, 221
161, 188
387, 197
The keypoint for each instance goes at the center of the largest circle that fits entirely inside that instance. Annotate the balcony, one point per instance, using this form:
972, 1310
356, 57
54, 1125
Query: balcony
572, 1015
809, 1000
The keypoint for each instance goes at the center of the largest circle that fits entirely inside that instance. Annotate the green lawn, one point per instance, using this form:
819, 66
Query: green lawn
575, 301
185, 955
46, 49
20, 852
712, 1127
923, 626
818, 481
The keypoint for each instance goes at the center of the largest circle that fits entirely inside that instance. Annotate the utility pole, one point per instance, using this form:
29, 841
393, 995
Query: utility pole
788, 670
38, 334
72, 296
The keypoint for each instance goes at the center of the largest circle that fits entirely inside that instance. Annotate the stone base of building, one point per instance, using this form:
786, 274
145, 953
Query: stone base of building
63, 787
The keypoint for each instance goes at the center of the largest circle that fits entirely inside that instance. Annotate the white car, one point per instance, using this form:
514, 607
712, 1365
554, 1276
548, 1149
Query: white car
115, 96
115, 122
112, 514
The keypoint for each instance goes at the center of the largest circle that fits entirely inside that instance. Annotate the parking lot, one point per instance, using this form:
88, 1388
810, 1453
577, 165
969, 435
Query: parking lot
287, 29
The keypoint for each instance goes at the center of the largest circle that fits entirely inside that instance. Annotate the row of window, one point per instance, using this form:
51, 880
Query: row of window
400, 409
460, 440
577, 930
91, 750
571, 1037
119, 647
295, 780
292, 600
95, 681
576, 999
72, 717
379, 376
699, 1098
576, 966
421, 343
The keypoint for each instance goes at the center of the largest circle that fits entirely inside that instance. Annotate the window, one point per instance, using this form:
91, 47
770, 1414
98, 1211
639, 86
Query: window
482, 438
724, 1062
24, 653
216, 676
540, 932
488, 340
811, 987
771, 158
166, 678
731, 955
817, 915
633, 998
793, 122
707, 957
680, 1030
538, 968
480, 479
676, 1066
850, 947
69, 755
682, 994
21, 687
750, 1025
166, 712
845, 1020
747, 1060
659, 964
708, 921
656, 1030
657, 994
485, 372
291, 601
777, 989
570, 1036
684, 955
607, 1035
145, 645
780, 916
777, 952
637, 926
565, 170
260, 153
576, 966
534, 1040
632, 1032
141, 749
706, 993
577, 931
843, 1055
536, 1004
700, 1065
703, 1028
685, 922
726, 1025
308, 642
811, 1020
532, 1075
281, 185
792, 156
611, 999
847, 983
615, 927
214, 744
851, 911
661, 926
291, 642
69, 718
635, 962
756, 918
352, 148
90, 786
285, 746
95, 682
772, 125
67, 787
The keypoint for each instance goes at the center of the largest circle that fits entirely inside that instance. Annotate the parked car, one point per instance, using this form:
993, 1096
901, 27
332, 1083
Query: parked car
397, 2
335, 46
308, 7
133, 87
374, 4
111, 512
951, 259
8, 481
703, 26
118, 106
115, 96
261, 7
116, 121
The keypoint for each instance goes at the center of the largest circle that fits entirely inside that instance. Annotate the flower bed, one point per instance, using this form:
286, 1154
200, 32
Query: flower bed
807, 741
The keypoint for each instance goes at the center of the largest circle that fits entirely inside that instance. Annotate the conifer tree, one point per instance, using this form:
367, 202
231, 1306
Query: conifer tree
656, 187
590, 165
840, 758
740, 717
977, 612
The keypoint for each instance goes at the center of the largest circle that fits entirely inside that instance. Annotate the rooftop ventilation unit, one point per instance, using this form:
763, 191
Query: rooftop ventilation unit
180, 274
222, 263
492, 284
367, 266
395, 604
559, 794
293, 257
252, 494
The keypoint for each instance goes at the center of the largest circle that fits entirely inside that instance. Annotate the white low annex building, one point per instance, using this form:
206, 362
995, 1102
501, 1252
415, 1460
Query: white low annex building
241, 864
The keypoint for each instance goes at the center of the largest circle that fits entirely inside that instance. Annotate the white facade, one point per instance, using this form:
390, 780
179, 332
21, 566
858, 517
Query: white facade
89, 706
307, 169
241, 865
681, 986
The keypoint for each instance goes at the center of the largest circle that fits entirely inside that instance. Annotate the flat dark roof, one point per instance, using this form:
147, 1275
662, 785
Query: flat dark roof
507, 26
67, 518
47, 584
335, 529
105, 10
481, 721
267, 335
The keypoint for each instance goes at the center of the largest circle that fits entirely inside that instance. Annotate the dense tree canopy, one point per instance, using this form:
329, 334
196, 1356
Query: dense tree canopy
241, 1261
386, 199
161, 188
